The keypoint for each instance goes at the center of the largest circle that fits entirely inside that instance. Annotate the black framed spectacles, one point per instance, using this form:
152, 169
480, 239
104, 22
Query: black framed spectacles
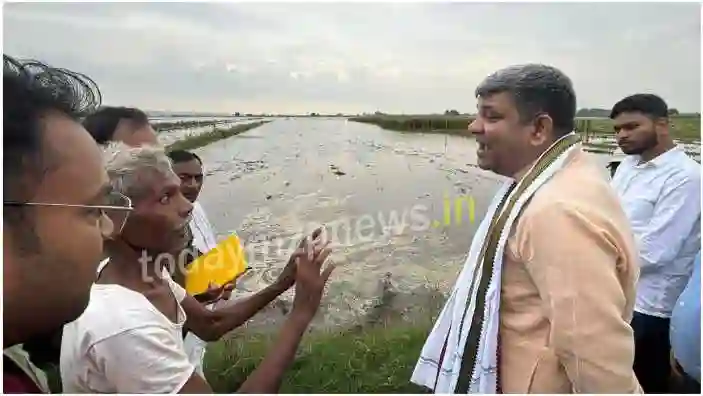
117, 211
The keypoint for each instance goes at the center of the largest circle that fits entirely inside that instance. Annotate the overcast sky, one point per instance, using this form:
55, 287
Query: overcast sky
356, 57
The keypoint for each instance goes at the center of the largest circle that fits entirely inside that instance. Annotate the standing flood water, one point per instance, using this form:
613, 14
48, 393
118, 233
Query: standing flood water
388, 199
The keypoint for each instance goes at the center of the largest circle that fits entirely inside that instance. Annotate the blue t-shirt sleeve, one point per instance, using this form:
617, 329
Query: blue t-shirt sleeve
686, 325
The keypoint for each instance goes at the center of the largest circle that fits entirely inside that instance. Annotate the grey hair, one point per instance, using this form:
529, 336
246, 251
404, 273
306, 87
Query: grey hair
535, 89
131, 170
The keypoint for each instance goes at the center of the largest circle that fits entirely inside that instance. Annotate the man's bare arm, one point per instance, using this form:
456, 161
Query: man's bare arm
309, 285
195, 384
267, 377
212, 325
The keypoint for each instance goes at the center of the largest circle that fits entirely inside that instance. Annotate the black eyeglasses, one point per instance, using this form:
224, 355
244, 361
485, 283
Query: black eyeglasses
113, 216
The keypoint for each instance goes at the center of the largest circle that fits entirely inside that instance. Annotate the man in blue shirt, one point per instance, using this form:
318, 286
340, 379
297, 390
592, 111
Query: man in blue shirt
686, 335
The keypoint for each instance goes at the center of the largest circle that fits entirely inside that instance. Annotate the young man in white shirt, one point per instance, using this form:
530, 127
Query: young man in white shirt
130, 338
189, 168
659, 187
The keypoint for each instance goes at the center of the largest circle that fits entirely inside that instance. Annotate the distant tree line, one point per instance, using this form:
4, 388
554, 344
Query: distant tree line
585, 112
593, 113
606, 113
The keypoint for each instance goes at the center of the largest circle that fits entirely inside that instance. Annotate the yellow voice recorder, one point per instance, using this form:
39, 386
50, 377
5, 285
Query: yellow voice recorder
220, 265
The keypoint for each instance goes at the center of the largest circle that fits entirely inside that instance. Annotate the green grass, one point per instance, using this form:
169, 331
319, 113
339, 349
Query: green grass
167, 126
192, 142
373, 360
683, 128
443, 124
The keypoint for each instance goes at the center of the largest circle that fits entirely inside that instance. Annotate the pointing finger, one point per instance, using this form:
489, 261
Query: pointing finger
310, 250
304, 240
327, 272
321, 247
320, 259
298, 253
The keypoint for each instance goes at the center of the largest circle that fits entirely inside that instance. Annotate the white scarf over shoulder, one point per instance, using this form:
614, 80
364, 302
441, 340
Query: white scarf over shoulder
455, 320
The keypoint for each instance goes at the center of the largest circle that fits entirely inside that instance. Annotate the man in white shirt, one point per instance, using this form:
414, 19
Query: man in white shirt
129, 340
189, 168
660, 189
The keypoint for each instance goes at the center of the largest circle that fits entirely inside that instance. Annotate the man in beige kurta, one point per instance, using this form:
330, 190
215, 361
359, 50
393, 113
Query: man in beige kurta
569, 274
544, 300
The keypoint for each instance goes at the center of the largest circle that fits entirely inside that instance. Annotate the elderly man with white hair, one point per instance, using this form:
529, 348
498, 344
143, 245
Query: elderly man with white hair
129, 340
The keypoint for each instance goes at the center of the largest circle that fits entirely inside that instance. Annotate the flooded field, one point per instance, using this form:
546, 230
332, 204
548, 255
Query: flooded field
401, 209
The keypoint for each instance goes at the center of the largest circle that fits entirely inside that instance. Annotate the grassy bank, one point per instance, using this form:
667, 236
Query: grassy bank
375, 360
375, 353
167, 126
454, 125
171, 125
683, 128
192, 142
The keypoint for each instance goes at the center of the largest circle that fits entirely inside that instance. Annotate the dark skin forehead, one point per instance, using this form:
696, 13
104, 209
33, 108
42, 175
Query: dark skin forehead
630, 120
167, 184
500, 103
76, 174
156, 186
188, 168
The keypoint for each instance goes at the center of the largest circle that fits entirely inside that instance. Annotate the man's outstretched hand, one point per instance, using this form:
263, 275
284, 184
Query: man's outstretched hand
287, 277
310, 278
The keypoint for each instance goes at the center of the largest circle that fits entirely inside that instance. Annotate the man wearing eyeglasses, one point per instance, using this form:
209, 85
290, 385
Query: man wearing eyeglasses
56, 192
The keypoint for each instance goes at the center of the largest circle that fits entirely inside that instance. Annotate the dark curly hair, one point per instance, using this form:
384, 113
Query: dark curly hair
30, 90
